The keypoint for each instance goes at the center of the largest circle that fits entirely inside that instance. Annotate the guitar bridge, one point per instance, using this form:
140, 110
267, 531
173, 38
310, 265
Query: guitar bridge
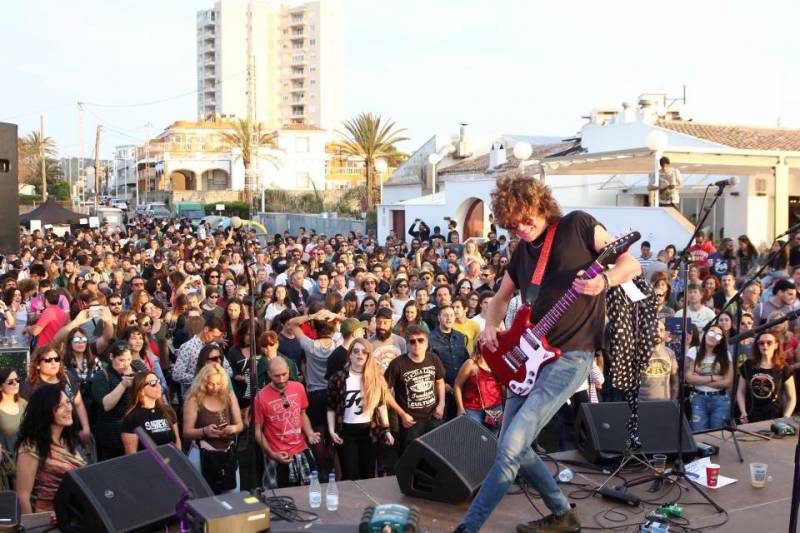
510, 364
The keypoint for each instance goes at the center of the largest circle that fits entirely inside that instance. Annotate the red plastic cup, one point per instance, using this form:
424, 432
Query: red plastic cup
712, 474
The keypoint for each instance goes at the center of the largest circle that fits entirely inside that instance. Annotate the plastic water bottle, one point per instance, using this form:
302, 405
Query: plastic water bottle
314, 491
332, 493
566, 475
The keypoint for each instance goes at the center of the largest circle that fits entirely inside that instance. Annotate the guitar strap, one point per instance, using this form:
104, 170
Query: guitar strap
541, 265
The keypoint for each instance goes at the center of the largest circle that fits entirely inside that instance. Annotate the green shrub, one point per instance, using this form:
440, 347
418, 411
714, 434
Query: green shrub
231, 209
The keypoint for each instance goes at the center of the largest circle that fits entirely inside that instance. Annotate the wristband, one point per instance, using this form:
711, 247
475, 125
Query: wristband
606, 281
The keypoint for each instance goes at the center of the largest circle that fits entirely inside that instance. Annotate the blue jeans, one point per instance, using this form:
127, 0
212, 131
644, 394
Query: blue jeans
709, 412
478, 416
524, 419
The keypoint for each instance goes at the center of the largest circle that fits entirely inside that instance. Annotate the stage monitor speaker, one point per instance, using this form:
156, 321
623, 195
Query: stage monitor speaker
601, 430
9, 192
10, 515
449, 463
128, 493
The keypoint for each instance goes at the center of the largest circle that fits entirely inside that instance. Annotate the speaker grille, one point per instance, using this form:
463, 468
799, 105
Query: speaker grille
468, 446
129, 493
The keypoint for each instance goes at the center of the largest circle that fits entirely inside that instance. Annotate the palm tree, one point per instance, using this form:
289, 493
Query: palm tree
31, 147
248, 138
370, 137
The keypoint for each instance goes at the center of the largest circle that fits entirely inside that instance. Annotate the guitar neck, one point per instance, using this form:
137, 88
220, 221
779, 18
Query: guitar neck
549, 320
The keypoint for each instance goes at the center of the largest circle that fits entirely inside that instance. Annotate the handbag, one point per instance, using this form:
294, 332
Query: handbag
219, 468
492, 416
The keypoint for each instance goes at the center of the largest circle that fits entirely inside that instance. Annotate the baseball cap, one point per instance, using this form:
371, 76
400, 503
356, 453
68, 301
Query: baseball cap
383, 312
350, 325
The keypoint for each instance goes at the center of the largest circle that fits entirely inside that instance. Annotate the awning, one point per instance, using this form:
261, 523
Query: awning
717, 161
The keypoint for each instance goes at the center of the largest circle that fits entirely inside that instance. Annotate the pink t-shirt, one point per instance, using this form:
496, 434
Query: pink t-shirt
283, 426
51, 320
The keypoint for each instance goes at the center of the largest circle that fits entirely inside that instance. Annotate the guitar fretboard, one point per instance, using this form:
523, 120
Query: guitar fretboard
551, 318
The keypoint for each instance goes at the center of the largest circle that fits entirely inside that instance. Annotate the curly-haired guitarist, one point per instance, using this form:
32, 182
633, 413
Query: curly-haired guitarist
526, 207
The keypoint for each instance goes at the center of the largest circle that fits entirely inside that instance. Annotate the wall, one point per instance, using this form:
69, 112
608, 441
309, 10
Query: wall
280, 222
596, 138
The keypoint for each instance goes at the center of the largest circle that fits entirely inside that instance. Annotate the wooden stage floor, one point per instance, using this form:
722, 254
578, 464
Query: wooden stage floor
749, 510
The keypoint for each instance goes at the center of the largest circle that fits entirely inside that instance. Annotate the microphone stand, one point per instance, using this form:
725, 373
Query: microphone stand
253, 362
731, 425
678, 466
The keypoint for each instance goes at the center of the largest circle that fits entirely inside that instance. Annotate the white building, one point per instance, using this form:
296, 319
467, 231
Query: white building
606, 171
297, 59
123, 178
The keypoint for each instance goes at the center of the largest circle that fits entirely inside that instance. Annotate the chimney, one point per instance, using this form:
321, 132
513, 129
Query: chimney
463, 149
497, 154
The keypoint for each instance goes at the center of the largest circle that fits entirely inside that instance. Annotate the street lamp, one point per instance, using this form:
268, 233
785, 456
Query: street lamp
657, 141
522, 151
380, 167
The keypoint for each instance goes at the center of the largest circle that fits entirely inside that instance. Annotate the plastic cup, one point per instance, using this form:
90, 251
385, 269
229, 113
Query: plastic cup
712, 474
659, 462
758, 475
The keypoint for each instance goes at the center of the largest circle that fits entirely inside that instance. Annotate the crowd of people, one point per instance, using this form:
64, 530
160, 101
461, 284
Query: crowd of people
358, 347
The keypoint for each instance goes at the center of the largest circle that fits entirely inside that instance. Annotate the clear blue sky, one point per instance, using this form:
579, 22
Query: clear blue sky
526, 66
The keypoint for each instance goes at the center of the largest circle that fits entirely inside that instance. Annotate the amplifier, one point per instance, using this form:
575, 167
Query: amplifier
9, 511
239, 511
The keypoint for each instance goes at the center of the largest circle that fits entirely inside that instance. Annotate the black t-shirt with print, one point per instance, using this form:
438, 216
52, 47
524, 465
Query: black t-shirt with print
573, 250
764, 391
414, 384
153, 422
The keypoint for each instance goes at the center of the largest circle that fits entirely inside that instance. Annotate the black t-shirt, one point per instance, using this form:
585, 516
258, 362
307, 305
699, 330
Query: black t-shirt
573, 249
414, 384
153, 422
336, 361
764, 391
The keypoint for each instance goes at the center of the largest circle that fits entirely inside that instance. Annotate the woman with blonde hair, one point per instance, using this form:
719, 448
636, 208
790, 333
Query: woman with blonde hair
472, 253
138, 299
211, 417
356, 412
478, 393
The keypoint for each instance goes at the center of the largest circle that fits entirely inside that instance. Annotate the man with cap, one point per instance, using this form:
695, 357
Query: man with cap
351, 329
386, 346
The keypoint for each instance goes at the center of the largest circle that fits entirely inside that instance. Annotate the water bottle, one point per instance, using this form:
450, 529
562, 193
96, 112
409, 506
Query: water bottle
314, 491
566, 475
332, 493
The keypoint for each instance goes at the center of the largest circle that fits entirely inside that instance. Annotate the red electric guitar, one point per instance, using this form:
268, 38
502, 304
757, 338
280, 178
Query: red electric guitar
523, 349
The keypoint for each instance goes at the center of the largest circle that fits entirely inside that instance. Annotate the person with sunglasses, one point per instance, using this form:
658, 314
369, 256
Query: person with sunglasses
766, 389
709, 370
45, 368
283, 430
112, 391
148, 410
136, 337
416, 380
11, 408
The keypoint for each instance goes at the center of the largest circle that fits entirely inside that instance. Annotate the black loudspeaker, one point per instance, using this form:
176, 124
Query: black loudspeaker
9, 511
9, 177
128, 493
601, 432
449, 463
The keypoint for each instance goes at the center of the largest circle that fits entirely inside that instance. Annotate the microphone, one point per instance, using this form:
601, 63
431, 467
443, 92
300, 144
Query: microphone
732, 181
789, 231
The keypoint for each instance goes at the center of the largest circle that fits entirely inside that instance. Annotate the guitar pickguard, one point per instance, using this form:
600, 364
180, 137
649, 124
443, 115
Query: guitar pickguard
537, 356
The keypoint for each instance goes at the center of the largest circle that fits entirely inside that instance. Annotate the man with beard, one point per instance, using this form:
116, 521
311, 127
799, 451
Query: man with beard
282, 428
660, 379
386, 346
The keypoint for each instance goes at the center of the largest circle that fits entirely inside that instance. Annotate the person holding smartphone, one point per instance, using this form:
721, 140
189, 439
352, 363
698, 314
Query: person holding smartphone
111, 388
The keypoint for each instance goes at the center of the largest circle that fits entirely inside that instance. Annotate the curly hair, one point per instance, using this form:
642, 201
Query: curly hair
519, 196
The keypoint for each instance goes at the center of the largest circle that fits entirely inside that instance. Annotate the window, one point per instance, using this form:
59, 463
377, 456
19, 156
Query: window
312, 42
297, 58
312, 27
303, 180
312, 68
312, 82
301, 145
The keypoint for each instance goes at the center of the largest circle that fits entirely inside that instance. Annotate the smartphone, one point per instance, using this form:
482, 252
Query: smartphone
674, 324
222, 426
96, 311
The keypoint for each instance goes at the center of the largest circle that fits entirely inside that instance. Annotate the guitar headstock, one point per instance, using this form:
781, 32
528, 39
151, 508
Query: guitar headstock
619, 246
